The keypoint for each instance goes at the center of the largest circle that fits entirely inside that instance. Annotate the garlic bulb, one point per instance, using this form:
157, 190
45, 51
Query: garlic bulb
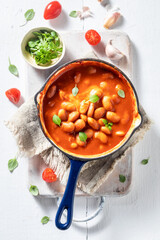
113, 53
111, 18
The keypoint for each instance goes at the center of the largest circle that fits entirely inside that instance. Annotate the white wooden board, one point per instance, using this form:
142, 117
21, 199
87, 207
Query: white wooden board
77, 47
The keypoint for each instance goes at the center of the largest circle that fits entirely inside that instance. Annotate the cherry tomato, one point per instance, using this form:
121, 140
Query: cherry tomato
52, 10
49, 175
13, 95
92, 37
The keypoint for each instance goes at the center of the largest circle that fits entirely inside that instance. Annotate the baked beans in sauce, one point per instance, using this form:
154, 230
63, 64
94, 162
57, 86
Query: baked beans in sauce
104, 122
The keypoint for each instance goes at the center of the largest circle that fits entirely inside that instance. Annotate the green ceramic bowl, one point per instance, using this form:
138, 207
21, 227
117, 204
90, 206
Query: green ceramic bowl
29, 59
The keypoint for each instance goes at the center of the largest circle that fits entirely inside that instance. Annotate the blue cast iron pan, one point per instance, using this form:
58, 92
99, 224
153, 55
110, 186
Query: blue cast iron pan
76, 162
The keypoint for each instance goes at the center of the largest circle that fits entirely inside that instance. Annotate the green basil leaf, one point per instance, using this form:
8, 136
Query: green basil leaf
73, 14
56, 120
45, 220
34, 190
93, 98
144, 161
122, 178
29, 14
75, 91
121, 93
12, 164
83, 136
13, 69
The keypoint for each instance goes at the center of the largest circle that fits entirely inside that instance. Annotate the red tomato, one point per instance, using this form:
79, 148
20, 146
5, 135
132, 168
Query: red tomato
13, 95
52, 10
49, 175
92, 37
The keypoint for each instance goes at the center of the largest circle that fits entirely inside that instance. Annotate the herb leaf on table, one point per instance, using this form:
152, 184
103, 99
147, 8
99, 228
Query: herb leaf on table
73, 14
45, 220
145, 161
12, 164
29, 15
13, 69
34, 190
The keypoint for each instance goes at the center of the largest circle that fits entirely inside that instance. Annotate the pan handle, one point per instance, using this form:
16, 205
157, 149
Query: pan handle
68, 197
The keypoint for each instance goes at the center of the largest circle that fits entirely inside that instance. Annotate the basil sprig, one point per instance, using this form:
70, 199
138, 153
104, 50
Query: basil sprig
82, 136
12, 164
45, 220
93, 98
56, 120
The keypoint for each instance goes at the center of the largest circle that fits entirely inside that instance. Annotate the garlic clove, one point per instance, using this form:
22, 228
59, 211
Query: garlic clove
113, 53
86, 12
111, 19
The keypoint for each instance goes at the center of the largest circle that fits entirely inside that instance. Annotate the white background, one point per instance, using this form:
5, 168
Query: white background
135, 216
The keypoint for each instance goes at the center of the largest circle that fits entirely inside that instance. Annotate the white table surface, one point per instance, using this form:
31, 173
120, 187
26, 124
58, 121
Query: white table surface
135, 216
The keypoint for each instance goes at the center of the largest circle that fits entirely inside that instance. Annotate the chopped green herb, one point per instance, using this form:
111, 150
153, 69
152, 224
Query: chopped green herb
13, 69
121, 93
73, 14
56, 120
122, 178
83, 136
107, 124
75, 91
12, 164
45, 47
45, 220
144, 161
93, 98
34, 190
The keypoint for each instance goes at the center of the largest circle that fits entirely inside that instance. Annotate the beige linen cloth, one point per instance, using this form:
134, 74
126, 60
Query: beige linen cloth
30, 141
